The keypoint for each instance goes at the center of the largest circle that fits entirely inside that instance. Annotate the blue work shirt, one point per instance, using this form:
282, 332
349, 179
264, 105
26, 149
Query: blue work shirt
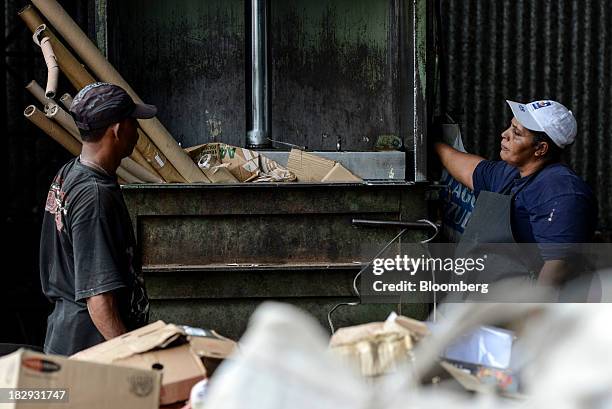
557, 206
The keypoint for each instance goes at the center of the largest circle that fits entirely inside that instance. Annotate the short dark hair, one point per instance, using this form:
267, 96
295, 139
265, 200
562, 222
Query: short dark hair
93, 135
554, 153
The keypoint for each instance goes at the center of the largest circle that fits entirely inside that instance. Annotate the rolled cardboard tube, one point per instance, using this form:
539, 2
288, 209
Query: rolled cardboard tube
127, 176
138, 158
76, 73
52, 129
160, 166
37, 91
79, 77
158, 160
55, 112
65, 139
140, 172
52, 67
90, 54
30, 17
66, 100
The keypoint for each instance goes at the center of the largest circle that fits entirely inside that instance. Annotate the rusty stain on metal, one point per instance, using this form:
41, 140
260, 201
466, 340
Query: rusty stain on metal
210, 252
337, 57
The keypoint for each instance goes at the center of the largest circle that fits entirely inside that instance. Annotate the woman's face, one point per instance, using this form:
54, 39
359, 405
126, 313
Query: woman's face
517, 147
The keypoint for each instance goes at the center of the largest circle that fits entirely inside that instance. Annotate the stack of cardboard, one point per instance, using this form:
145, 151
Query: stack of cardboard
182, 355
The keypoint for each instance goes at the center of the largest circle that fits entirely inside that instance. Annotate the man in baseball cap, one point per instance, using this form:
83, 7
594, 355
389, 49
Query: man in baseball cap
530, 195
100, 104
87, 264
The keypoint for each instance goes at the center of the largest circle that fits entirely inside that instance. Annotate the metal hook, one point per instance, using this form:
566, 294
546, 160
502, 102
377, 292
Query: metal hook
356, 290
435, 227
329, 314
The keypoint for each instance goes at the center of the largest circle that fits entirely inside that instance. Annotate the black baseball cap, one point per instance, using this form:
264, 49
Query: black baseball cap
101, 104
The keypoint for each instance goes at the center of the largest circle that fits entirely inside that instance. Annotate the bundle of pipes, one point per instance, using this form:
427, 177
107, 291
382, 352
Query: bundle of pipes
55, 112
68, 141
155, 144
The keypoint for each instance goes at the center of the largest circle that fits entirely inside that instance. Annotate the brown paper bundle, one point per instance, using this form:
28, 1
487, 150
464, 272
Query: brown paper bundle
90, 54
79, 77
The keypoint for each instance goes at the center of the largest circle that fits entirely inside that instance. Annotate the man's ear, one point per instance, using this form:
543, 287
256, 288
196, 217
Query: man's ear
542, 149
115, 128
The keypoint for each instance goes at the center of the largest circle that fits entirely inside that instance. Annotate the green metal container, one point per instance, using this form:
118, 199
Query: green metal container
212, 253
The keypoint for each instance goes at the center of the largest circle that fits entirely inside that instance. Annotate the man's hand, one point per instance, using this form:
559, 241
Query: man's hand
104, 313
553, 273
459, 164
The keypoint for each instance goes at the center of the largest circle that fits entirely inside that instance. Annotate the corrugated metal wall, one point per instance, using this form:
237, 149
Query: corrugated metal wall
526, 50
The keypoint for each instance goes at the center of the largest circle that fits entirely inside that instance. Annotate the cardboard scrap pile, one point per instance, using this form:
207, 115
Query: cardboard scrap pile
175, 351
479, 360
156, 364
285, 362
222, 163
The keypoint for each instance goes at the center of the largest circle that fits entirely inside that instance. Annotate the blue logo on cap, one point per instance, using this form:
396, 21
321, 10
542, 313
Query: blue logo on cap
522, 108
541, 104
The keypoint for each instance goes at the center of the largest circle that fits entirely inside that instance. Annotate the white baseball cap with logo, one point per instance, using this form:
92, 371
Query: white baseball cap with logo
549, 117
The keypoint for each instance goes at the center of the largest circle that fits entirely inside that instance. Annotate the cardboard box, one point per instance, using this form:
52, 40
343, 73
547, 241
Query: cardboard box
88, 385
175, 351
309, 167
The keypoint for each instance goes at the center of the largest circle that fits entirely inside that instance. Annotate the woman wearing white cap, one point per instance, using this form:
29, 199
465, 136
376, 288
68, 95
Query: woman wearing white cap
529, 196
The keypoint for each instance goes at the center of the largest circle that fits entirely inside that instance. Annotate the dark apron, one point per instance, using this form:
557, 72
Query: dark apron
490, 226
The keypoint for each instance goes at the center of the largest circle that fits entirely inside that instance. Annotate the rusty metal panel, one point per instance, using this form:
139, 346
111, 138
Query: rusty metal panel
212, 253
186, 56
335, 72
252, 238
525, 50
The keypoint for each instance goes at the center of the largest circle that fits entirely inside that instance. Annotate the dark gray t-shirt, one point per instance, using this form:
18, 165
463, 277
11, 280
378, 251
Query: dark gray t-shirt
87, 248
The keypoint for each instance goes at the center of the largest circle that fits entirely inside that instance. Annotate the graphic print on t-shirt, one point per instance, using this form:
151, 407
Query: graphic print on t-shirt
56, 203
